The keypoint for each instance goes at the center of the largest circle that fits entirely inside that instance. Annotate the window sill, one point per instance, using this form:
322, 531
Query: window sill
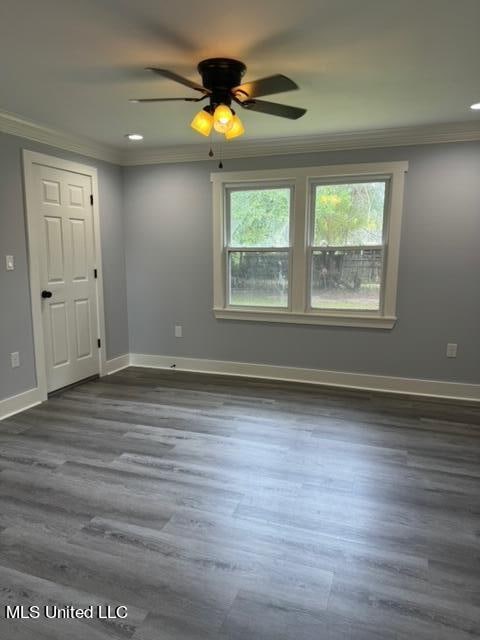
330, 319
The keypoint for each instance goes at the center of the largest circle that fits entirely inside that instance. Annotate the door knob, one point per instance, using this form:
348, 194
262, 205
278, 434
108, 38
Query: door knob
46, 294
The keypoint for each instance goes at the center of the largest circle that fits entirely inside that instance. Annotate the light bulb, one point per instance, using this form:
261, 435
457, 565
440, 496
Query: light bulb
202, 123
237, 129
222, 119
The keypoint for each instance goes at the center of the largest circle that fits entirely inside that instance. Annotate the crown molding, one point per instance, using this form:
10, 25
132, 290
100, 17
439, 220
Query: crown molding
377, 138
17, 126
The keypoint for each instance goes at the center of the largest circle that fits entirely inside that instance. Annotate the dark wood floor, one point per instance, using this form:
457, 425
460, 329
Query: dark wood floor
231, 509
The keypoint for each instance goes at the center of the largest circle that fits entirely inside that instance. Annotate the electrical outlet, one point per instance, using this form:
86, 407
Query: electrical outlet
15, 359
178, 331
9, 263
452, 350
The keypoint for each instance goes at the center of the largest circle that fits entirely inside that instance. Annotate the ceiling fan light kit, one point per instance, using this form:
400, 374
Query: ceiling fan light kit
222, 119
203, 122
222, 85
236, 130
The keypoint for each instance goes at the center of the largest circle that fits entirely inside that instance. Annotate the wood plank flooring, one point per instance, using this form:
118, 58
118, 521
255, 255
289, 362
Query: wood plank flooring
231, 509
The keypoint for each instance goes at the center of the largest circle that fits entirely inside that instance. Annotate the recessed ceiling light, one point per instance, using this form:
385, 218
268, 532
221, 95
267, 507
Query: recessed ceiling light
134, 137
476, 106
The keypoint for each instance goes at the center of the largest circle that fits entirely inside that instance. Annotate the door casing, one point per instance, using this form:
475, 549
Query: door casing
30, 159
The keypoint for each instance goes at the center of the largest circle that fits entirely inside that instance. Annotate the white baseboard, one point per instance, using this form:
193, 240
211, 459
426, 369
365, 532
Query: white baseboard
117, 364
15, 404
368, 382
26, 400
362, 381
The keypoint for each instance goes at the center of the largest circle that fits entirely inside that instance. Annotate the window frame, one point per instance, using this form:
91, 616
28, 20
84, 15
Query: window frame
312, 248
278, 184
302, 179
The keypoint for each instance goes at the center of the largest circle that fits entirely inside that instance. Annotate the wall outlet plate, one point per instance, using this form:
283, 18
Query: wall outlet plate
15, 359
9, 263
452, 350
178, 331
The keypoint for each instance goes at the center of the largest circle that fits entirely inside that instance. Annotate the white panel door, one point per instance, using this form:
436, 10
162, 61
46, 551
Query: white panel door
68, 286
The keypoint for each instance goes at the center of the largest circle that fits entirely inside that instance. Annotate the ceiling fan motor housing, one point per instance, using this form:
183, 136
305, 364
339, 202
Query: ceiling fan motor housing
220, 75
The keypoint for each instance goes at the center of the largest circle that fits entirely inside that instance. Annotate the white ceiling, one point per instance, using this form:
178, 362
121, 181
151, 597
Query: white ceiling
360, 64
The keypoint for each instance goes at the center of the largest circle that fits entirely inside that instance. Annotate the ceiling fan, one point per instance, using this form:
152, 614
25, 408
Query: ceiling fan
221, 85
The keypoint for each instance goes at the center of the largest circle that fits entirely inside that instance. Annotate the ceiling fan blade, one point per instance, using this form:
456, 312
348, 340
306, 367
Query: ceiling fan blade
274, 109
167, 99
265, 87
180, 79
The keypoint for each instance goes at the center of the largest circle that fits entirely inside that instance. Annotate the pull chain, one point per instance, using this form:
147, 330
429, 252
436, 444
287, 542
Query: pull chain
210, 153
220, 149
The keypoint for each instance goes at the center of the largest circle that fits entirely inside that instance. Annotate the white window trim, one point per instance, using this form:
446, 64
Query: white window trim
298, 312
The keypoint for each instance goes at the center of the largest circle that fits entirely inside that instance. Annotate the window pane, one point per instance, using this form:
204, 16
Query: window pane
346, 279
259, 279
260, 217
349, 214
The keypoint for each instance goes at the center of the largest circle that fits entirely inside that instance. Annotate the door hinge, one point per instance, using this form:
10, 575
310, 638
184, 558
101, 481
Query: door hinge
95, 274
91, 200
99, 343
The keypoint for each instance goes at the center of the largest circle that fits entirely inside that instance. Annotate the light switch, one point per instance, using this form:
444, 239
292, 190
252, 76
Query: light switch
178, 331
15, 359
10, 263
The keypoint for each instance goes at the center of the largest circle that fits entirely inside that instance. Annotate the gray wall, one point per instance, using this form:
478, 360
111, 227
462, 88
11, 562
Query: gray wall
15, 313
168, 226
167, 234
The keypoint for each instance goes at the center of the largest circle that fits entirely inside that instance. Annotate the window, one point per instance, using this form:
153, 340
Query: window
258, 246
346, 257
313, 245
